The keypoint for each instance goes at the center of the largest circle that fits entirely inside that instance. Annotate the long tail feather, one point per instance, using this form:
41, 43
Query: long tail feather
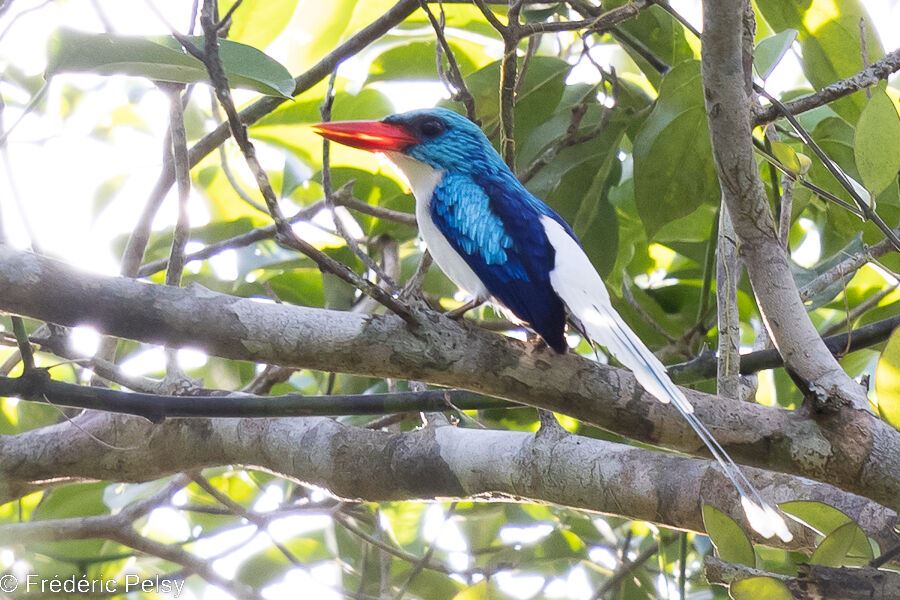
585, 294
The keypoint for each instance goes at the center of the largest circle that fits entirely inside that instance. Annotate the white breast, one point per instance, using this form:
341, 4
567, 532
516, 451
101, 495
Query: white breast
423, 179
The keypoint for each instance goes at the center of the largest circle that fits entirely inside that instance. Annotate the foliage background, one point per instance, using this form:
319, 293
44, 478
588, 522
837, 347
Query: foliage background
632, 172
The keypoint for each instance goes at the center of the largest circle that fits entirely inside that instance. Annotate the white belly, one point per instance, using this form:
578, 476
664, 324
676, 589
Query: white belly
423, 179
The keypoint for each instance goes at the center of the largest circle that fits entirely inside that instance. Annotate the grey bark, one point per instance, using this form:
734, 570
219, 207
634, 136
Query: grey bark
728, 112
848, 448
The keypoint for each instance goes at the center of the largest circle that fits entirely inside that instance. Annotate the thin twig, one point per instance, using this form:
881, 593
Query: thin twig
426, 558
880, 70
858, 311
325, 113
454, 79
286, 235
238, 241
704, 366
226, 168
156, 407
237, 510
175, 265
625, 570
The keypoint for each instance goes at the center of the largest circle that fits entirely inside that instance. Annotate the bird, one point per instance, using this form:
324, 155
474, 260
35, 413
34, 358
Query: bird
501, 244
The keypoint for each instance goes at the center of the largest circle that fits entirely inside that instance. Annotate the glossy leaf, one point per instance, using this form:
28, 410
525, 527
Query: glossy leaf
756, 588
849, 546
319, 31
163, 59
673, 164
258, 22
770, 51
804, 276
829, 34
539, 94
877, 142
817, 515
414, 61
845, 546
662, 35
479, 591
887, 381
787, 156
731, 543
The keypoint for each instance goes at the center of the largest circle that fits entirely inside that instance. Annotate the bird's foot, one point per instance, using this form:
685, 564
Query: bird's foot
413, 287
457, 313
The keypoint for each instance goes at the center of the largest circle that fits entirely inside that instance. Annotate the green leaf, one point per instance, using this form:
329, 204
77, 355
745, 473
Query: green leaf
533, 15
479, 591
105, 192
258, 22
673, 164
163, 59
596, 223
887, 381
845, 546
78, 500
804, 276
247, 67
730, 541
846, 542
293, 176
829, 40
414, 60
784, 15
787, 156
301, 286
267, 566
877, 143
770, 51
321, 29
756, 588
432, 585
118, 495
821, 517
832, 52
661, 34
539, 94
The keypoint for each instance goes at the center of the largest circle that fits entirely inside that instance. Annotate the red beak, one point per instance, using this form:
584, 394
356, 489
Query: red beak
373, 136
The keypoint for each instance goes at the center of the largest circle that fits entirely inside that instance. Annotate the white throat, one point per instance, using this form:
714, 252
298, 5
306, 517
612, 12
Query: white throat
422, 179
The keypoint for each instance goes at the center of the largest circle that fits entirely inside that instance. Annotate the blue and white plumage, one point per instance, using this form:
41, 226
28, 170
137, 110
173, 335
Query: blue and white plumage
497, 241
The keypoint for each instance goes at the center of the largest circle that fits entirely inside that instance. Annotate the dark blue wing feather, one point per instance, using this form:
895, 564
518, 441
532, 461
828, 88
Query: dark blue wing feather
496, 229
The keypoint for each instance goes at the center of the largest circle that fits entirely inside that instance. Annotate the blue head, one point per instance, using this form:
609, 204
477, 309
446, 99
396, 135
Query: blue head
448, 141
437, 137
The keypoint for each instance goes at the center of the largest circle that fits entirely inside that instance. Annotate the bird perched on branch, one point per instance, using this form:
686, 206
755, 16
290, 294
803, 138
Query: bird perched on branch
500, 243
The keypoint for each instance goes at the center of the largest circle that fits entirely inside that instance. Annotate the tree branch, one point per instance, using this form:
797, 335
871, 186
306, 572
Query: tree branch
704, 366
849, 448
816, 581
38, 386
443, 462
785, 317
879, 70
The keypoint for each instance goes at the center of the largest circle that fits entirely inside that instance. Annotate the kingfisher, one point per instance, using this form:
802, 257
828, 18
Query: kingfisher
501, 244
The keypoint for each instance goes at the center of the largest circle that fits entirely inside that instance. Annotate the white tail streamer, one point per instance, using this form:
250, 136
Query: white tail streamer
579, 285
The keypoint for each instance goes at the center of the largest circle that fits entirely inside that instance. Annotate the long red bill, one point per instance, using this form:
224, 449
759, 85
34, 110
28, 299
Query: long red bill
373, 136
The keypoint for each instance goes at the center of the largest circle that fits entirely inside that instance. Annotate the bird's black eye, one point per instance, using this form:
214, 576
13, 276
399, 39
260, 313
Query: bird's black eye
431, 127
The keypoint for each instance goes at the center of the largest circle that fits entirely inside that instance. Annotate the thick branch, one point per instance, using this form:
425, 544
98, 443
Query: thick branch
881, 69
728, 111
435, 462
816, 581
849, 448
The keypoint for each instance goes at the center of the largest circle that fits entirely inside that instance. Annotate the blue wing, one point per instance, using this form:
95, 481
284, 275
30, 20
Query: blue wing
495, 227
